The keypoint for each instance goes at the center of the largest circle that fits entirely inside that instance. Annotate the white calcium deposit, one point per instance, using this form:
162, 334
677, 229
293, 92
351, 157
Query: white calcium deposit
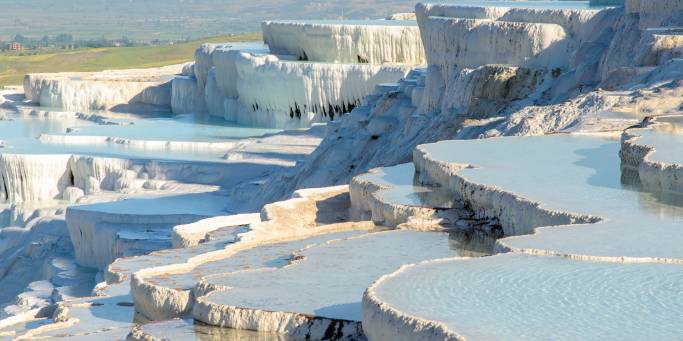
30, 178
661, 45
185, 95
560, 287
495, 100
130, 89
180, 236
277, 93
347, 60
654, 13
263, 90
401, 16
379, 42
650, 154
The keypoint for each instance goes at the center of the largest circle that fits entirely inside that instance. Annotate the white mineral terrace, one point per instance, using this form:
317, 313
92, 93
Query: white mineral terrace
160, 136
55, 157
610, 221
664, 135
561, 300
190, 330
270, 256
500, 35
653, 14
390, 196
292, 289
664, 43
653, 153
533, 4
266, 256
353, 41
628, 237
133, 89
90, 316
135, 178
103, 232
324, 83
168, 204
291, 93
298, 93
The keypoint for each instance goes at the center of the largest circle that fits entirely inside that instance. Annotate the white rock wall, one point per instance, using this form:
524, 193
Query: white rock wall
203, 63
191, 235
205, 60
130, 89
402, 16
374, 44
243, 84
297, 94
36, 178
186, 96
213, 96
517, 215
577, 23
482, 92
653, 13
263, 90
25, 256
33, 178
79, 95
94, 234
383, 322
224, 67
94, 174
454, 44
457, 37
637, 165
424, 10
574, 21
659, 46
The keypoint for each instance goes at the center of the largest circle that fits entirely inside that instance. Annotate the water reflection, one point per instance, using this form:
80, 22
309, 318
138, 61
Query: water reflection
473, 242
659, 204
662, 204
667, 129
672, 125
33, 130
630, 176
405, 189
665, 135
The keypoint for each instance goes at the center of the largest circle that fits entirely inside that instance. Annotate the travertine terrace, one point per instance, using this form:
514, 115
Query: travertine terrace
463, 172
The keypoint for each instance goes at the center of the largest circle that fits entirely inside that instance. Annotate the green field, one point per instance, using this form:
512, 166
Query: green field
145, 20
14, 66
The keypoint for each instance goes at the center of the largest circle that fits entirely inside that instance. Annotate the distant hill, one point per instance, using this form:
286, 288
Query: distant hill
13, 66
173, 19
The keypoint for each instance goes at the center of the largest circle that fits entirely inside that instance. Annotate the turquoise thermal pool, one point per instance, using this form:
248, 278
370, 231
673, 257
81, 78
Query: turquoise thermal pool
666, 138
584, 175
523, 297
181, 137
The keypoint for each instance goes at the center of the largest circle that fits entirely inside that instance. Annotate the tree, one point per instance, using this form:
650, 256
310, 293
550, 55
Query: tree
20, 39
45, 41
64, 39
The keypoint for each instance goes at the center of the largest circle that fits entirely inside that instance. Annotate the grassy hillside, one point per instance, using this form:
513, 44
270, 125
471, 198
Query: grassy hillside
13, 66
173, 19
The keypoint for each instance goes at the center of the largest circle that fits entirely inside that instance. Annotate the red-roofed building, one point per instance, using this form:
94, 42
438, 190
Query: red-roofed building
15, 46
